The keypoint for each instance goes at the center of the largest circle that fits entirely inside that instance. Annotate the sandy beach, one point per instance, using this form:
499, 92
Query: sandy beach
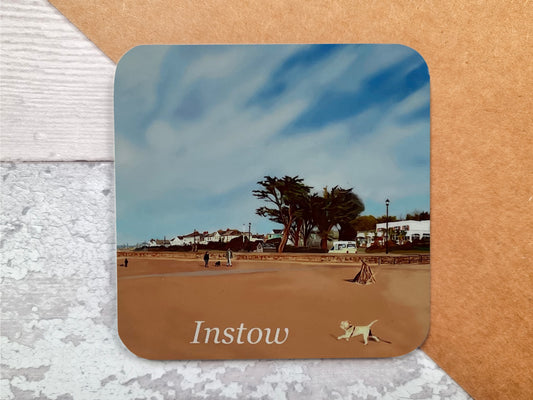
160, 298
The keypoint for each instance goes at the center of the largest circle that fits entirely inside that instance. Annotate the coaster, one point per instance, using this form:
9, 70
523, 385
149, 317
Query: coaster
272, 201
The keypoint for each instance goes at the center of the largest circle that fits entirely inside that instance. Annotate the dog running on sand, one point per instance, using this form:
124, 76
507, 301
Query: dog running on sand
351, 330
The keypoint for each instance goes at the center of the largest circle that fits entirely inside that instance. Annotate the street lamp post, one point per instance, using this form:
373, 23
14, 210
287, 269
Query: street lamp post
387, 228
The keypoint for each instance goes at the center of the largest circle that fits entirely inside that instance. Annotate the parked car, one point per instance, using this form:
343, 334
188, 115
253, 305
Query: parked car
343, 246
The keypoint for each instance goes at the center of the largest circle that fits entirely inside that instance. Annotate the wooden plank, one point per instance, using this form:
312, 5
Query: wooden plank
56, 87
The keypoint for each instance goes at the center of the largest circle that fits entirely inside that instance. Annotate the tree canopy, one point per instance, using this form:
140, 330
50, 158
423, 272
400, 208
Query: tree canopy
383, 218
287, 195
292, 205
364, 223
336, 207
418, 215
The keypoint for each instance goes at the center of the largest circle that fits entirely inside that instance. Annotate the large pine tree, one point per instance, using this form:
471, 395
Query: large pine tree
337, 207
286, 195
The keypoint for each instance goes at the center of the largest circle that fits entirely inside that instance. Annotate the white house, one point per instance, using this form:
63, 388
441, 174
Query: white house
365, 238
158, 242
230, 234
212, 237
407, 230
177, 241
191, 238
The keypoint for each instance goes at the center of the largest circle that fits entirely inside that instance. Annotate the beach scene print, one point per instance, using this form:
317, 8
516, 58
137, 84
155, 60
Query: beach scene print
272, 201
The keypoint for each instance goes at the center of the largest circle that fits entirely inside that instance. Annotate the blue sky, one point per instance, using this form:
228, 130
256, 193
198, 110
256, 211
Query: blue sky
197, 126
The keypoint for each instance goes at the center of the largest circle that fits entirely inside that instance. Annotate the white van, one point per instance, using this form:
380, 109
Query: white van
343, 246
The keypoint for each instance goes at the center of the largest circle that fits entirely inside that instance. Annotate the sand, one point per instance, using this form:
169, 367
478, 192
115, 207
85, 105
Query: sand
159, 300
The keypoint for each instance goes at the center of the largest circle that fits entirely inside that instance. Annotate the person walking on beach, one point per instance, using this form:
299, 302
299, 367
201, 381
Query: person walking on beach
126, 263
229, 256
206, 258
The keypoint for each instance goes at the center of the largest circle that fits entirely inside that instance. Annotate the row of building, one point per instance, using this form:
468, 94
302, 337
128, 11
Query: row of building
222, 236
399, 232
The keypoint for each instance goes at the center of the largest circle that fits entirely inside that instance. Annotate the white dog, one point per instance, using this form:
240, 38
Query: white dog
353, 330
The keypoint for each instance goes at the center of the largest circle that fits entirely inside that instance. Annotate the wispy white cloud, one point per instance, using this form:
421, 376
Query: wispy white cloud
203, 168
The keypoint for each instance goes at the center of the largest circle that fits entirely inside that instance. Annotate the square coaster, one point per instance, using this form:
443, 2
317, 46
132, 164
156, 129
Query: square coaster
272, 201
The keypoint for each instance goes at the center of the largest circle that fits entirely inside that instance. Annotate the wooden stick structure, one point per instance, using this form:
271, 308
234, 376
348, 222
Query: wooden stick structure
365, 276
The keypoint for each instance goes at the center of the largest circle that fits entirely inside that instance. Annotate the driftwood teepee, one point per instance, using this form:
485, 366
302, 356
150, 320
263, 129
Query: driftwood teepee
365, 276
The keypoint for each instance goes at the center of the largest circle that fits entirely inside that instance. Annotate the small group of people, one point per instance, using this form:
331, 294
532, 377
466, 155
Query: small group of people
229, 256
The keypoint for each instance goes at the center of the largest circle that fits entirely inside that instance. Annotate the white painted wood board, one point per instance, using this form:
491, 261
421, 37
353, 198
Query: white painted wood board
56, 88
